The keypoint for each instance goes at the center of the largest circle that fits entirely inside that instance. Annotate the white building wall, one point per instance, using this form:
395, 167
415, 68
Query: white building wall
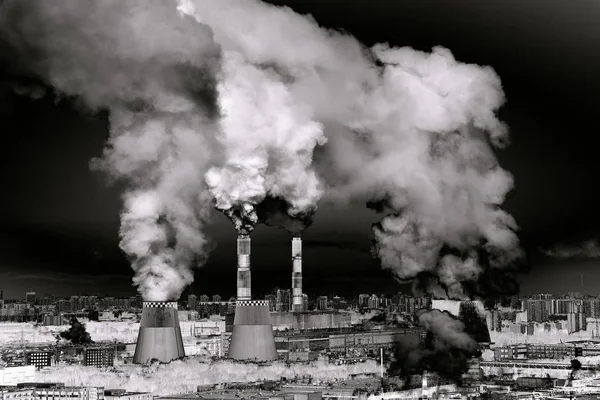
10, 376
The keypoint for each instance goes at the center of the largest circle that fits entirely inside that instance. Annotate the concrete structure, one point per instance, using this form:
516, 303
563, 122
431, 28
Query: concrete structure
311, 320
40, 358
100, 357
297, 301
252, 335
43, 391
159, 337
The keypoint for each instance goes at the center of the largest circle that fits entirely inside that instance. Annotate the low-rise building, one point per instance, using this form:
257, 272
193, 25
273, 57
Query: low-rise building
122, 394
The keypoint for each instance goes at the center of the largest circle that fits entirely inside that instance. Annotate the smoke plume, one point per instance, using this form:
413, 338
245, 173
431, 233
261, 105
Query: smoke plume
154, 69
76, 333
277, 212
586, 249
446, 349
302, 114
412, 131
269, 139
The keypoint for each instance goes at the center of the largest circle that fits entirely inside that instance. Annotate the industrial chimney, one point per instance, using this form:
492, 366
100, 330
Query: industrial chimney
297, 299
244, 279
159, 337
252, 337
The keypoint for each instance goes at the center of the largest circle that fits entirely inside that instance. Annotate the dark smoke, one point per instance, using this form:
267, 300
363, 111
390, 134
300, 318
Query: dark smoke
446, 349
77, 334
276, 212
473, 268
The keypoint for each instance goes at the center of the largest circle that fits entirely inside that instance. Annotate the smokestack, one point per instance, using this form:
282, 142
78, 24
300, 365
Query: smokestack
244, 282
160, 335
298, 301
252, 336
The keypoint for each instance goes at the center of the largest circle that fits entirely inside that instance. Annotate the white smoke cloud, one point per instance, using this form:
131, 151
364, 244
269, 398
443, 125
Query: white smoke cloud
269, 140
301, 112
184, 376
153, 68
417, 131
586, 249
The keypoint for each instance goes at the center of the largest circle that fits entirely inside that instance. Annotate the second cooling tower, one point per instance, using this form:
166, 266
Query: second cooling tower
252, 337
159, 337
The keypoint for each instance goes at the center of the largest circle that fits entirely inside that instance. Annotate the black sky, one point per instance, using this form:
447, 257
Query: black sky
59, 221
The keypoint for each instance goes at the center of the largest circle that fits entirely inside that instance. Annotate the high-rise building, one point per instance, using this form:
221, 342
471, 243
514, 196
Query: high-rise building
363, 300
284, 300
191, 302
272, 302
304, 302
30, 297
475, 324
576, 319
537, 310
322, 303
373, 302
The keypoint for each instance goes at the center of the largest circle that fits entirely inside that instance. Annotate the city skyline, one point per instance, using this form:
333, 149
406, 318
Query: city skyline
60, 221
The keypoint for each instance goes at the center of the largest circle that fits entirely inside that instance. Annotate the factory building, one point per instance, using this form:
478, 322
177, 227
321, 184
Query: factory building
100, 357
40, 359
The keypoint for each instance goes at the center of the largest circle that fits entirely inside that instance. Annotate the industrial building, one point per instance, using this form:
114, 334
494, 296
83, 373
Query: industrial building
40, 359
100, 357
50, 391
122, 394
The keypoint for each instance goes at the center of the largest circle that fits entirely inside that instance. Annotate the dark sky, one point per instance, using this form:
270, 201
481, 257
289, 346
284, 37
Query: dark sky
59, 221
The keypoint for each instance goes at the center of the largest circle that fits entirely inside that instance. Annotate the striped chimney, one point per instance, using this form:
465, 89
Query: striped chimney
297, 299
244, 291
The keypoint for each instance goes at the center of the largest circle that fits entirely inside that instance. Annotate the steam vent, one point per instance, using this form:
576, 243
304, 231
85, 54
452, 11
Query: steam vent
160, 335
252, 337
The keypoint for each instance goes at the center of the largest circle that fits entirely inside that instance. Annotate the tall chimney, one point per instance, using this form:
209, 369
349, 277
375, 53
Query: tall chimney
297, 299
159, 337
244, 282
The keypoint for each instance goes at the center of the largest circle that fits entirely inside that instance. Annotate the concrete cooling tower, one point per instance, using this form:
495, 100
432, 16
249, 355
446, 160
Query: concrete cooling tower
160, 335
252, 337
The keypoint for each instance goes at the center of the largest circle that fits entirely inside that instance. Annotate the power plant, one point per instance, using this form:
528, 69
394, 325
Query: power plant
297, 299
159, 337
252, 336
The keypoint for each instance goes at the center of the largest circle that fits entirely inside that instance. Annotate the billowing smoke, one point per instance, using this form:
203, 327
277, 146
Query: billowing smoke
269, 139
76, 334
409, 130
302, 114
154, 69
446, 349
277, 212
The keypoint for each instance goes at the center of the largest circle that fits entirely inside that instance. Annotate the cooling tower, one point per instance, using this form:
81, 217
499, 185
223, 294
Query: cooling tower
252, 337
160, 335
297, 299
